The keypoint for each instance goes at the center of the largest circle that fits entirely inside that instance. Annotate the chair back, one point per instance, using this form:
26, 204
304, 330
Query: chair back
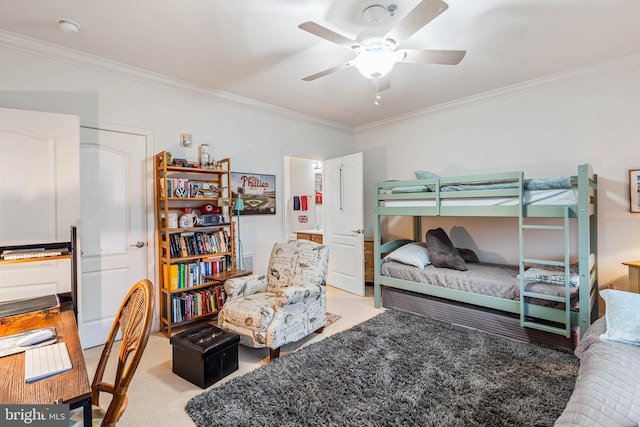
298, 263
133, 322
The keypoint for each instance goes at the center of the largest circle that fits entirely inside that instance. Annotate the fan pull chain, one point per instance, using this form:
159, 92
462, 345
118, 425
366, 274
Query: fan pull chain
376, 92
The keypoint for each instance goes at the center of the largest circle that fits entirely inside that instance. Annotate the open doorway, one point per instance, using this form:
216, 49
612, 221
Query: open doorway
303, 181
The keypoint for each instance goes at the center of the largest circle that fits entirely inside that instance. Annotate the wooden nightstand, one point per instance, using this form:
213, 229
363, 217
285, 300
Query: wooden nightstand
368, 259
314, 237
634, 276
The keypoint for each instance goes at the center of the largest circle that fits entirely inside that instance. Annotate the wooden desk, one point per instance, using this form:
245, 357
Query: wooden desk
634, 276
71, 387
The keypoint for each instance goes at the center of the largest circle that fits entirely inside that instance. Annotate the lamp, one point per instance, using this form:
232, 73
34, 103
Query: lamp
238, 206
376, 61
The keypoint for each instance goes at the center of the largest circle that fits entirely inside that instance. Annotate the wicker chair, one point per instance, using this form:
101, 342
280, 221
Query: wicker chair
133, 321
284, 306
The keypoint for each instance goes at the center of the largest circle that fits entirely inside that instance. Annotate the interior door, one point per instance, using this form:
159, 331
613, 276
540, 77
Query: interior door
113, 229
344, 223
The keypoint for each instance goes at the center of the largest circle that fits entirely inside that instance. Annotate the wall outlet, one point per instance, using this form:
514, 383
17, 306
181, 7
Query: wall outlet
185, 140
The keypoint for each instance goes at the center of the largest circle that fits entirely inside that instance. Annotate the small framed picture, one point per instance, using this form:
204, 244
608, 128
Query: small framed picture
179, 162
224, 202
634, 191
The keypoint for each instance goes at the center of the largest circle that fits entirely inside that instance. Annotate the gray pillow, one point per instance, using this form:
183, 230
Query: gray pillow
442, 253
468, 255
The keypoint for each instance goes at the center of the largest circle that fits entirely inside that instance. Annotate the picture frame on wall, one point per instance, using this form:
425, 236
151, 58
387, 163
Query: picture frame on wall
258, 192
634, 191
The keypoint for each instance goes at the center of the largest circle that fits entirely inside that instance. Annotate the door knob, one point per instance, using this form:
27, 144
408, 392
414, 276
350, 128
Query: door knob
138, 244
360, 231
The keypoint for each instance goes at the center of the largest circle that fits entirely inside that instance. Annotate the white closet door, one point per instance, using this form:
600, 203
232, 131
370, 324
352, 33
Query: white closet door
114, 226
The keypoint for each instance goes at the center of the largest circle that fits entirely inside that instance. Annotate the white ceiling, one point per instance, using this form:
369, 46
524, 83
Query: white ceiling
254, 49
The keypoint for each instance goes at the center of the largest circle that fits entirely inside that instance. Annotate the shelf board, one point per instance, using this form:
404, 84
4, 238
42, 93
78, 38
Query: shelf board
166, 322
191, 258
189, 199
196, 170
191, 288
200, 228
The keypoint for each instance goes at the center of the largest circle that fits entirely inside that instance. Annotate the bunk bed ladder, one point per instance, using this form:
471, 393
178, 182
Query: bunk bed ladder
525, 319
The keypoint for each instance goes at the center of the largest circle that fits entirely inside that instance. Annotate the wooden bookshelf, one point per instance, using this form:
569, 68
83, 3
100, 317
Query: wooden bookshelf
188, 255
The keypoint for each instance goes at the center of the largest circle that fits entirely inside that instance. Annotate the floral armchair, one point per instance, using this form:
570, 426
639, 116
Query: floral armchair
283, 306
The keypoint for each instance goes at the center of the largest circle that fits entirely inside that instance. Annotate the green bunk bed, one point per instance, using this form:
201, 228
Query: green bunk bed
499, 195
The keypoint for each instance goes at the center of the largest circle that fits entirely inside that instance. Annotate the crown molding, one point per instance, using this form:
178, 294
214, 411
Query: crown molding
515, 89
74, 57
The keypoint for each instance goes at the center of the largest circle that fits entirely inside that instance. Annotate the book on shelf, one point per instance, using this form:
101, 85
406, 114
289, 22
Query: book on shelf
190, 304
171, 272
189, 243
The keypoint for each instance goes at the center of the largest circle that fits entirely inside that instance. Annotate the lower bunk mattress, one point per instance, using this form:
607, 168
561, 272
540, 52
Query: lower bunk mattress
495, 280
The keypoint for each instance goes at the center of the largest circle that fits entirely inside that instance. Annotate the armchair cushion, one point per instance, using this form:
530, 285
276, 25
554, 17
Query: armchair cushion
297, 263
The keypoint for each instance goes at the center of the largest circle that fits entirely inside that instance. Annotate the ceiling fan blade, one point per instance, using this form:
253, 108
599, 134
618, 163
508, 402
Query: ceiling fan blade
326, 72
425, 12
327, 34
444, 57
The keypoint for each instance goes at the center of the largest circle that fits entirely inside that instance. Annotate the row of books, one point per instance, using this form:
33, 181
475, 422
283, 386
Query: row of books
187, 275
198, 243
188, 305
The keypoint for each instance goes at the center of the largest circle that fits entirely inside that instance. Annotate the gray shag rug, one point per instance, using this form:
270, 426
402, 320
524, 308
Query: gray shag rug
398, 369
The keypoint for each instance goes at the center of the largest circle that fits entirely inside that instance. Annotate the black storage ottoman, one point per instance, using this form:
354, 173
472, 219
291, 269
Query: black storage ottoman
204, 354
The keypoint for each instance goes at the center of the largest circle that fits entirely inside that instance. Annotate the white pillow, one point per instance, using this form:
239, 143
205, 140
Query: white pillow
622, 315
414, 253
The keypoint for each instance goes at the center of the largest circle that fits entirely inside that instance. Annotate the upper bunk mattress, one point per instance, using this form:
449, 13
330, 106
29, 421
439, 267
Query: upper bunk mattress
563, 197
494, 280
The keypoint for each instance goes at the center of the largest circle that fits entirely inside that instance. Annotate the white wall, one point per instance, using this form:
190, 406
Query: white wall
544, 131
255, 139
592, 118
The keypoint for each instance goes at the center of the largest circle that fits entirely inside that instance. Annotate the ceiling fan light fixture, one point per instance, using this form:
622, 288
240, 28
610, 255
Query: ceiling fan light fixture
374, 63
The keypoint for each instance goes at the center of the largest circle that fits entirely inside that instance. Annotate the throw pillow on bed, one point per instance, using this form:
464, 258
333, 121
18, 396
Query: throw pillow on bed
414, 253
623, 316
468, 255
442, 252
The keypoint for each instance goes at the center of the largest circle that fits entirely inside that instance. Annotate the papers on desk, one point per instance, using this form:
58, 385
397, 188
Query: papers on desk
9, 344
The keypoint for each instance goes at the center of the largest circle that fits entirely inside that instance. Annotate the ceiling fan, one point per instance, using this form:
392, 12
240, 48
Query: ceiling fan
376, 56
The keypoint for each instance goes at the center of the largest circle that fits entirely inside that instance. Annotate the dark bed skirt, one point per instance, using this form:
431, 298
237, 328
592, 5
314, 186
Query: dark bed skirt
484, 319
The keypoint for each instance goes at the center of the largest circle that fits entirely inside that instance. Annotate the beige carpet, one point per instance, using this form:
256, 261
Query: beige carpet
157, 397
